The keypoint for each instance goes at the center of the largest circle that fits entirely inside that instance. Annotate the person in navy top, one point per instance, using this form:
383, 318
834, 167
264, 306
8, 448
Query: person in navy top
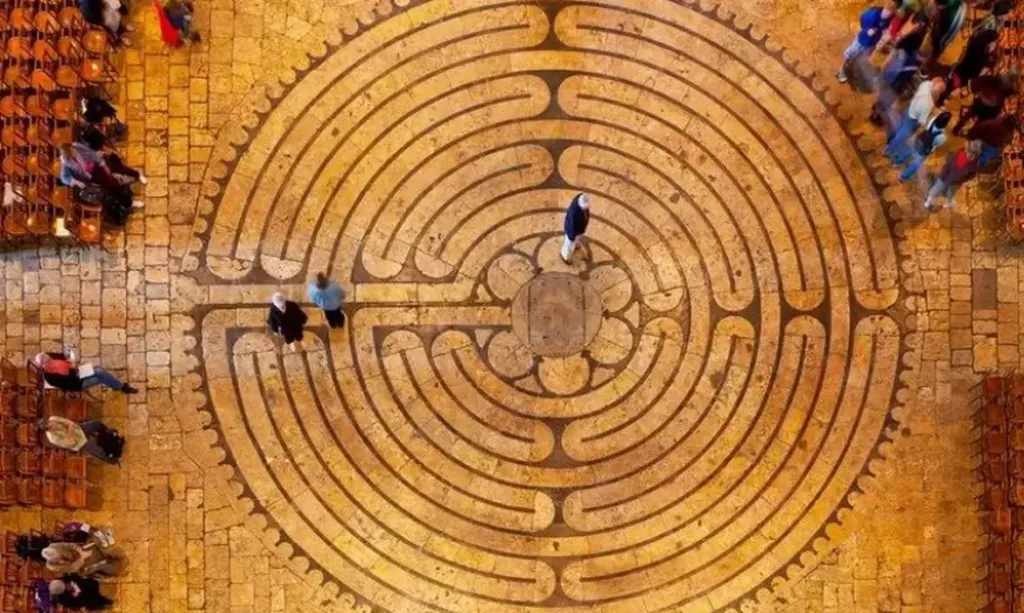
873, 23
576, 219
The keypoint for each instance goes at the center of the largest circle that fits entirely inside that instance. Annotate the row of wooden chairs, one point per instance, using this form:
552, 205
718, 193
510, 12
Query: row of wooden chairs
32, 491
1001, 418
32, 472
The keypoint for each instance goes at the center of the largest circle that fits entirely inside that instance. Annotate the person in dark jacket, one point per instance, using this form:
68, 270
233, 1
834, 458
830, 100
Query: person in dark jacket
62, 372
990, 94
993, 135
76, 592
979, 55
576, 219
287, 319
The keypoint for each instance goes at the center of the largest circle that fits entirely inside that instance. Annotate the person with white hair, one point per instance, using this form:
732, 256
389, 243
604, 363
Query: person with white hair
287, 319
576, 219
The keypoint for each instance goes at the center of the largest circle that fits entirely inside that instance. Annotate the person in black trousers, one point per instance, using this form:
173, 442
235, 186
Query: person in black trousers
287, 319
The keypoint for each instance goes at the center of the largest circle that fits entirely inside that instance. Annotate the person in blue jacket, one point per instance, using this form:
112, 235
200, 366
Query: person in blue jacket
873, 23
328, 295
576, 219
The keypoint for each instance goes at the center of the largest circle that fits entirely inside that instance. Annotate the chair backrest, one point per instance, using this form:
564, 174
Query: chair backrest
35, 375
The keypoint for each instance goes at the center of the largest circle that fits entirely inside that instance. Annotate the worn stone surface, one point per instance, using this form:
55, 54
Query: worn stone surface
772, 414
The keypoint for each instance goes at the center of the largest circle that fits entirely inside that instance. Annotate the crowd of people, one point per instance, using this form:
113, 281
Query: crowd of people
79, 555
910, 36
93, 168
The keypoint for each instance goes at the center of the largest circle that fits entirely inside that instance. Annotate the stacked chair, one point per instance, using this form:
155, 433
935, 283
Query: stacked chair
16, 578
1011, 53
1001, 419
31, 471
48, 54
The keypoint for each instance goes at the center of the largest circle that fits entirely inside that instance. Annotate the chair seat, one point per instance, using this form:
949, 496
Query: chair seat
67, 77
14, 224
13, 136
64, 109
96, 41
12, 106
46, 21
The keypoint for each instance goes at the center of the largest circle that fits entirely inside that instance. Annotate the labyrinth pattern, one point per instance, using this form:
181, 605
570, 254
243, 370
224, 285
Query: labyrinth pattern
670, 423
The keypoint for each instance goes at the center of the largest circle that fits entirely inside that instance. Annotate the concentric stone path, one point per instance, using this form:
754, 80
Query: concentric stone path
676, 450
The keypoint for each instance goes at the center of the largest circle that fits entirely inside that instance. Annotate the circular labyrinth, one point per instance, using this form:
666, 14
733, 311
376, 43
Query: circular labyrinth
480, 436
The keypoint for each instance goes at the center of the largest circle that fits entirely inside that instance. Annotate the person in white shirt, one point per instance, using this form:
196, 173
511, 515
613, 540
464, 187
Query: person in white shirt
921, 107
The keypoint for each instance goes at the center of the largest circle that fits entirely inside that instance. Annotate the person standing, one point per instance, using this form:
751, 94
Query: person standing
873, 23
930, 138
993, 135
287, 319
576, 219
328, 295
990, 94
921, 107
960, 166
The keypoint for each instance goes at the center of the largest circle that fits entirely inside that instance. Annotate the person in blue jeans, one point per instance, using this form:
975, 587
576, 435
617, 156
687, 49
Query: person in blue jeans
873, 23
61, 371
921, 107
930, 138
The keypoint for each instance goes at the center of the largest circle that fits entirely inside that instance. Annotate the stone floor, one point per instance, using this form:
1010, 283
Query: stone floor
749, 391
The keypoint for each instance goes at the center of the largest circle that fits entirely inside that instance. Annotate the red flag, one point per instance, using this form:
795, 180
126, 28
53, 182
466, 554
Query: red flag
167, 31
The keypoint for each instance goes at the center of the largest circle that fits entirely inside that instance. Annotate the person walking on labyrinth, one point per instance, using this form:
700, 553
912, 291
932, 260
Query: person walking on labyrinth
328, 295
873, 23
576, 219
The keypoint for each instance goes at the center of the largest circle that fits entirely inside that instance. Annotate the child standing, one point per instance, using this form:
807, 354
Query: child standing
873, 23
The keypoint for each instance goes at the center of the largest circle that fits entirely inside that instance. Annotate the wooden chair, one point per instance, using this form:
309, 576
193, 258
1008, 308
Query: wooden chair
7, 433
46, 22
27, 435
12, 570
29, 491
53, 463
9, 373
71, 21
7, 461
11, 543
75, 466
13, 106
34, 375
8, 400
26, 404
96, 41
21, 20
87, 223
8, 491
74, 495
75, 407
28, 462
53, 493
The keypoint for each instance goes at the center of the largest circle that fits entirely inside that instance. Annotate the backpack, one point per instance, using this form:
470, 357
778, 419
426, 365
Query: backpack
112, 443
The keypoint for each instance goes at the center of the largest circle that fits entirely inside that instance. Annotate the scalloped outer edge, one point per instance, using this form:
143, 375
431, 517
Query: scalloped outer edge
253, 111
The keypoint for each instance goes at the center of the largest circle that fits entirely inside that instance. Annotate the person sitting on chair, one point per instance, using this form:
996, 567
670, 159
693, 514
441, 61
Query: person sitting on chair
63, 372
66, 434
